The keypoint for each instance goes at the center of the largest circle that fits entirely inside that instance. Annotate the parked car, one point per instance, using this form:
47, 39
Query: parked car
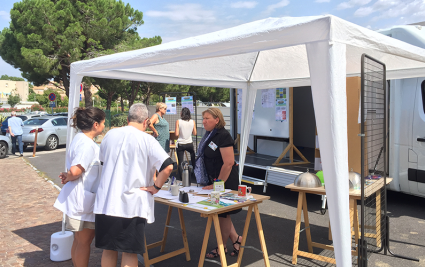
5, 146
5, 125
52, 131
58, 114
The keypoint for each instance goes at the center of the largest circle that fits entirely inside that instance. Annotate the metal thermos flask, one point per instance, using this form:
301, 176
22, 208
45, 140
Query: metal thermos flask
185, 178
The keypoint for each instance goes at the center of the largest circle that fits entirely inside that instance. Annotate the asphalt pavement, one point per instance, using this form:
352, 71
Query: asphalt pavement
407, 226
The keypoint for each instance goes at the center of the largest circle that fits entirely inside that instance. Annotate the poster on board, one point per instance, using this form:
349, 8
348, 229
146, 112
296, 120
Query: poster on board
268, 98
281, 101
171, 105
240, 105
187, 102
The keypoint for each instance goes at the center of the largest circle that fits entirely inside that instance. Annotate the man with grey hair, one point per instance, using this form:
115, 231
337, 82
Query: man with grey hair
15, 129
124, 198
138, 113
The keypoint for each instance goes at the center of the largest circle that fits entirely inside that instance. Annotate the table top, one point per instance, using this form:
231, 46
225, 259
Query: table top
354, 194
259, 199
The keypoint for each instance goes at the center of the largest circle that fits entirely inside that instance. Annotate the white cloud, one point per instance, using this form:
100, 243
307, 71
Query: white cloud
353, 3
244, 4
4, 15
273, 7
322, 1
185, 12
402, 11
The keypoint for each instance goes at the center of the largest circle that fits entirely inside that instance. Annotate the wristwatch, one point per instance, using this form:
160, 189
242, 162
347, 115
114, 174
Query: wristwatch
156, 187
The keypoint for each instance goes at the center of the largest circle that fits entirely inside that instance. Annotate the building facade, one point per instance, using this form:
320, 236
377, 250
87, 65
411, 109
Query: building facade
9, 87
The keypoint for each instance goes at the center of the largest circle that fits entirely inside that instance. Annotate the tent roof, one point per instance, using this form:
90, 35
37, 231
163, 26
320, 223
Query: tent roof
266, 53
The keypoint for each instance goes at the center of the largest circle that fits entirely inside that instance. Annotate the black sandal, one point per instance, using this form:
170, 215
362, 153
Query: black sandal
235, 251
215, 254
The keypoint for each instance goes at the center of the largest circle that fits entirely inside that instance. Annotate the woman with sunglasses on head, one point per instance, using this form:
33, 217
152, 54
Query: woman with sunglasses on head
160, 127
81, 181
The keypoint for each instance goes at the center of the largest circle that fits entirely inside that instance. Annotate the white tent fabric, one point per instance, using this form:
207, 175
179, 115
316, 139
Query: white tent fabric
276, 52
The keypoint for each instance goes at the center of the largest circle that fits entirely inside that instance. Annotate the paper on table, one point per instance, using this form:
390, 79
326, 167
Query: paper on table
202, 207
165, 194
192, 199
206, 192
228, 201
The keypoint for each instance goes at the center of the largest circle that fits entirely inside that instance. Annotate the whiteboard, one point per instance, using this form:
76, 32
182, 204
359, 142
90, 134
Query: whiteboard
264, 122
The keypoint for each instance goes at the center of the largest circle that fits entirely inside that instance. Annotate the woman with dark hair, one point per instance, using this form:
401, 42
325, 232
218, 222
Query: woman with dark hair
185, 127
216, 160
77, 196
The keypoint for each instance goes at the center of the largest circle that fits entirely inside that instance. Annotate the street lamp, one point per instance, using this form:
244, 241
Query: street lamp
93, 100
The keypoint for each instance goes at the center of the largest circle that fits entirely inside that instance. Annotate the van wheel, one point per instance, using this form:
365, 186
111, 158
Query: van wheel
51, 143
3, 150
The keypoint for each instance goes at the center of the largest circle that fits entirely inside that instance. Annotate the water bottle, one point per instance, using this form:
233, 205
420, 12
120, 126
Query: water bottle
185, 178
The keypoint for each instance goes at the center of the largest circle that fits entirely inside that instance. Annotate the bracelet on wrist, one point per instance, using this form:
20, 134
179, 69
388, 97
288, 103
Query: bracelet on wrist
156, 187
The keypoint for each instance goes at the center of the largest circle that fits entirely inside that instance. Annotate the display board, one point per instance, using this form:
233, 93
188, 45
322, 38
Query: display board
271, 113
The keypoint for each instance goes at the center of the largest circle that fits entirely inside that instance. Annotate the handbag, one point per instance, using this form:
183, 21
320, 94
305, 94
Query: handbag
200, 170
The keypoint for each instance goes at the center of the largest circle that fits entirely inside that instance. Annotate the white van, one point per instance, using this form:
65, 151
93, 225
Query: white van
407, 121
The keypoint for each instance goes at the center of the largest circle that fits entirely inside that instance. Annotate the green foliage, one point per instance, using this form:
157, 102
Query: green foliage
11, 78
14, 99
119, 121
32, 96
44, 98
61, 109
65, 102
2, 118
203, 93
46, 36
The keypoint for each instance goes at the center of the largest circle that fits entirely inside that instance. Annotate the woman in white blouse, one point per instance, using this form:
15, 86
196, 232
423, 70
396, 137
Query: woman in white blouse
185, 128
81, 181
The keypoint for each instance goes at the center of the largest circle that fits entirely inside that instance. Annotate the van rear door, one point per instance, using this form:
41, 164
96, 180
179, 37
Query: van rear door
417, 152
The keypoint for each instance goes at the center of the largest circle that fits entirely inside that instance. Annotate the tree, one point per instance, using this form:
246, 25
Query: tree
13, 99
65, 102
109, 90
46, 36
11, 78
147, 89
32, 96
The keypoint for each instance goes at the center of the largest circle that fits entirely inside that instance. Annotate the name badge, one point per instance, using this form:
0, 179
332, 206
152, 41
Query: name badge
213, 146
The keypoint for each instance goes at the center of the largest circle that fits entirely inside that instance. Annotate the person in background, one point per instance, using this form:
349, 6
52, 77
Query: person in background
160, 127
77, 196
15, 129
124, 200
185, 127
219, 158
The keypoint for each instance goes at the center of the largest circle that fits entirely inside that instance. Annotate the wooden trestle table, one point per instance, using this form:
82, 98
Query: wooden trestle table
354, 195
212, 216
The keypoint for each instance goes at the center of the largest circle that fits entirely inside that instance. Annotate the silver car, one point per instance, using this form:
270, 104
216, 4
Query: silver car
51, 131
5, 146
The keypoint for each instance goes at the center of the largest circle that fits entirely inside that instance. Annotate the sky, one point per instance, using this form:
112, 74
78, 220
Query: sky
178, 19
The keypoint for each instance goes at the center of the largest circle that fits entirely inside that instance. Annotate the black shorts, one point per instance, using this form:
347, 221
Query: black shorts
224, 215
120, 234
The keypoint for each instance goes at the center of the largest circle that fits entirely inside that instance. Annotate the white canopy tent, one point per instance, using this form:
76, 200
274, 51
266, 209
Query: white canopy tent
276, 52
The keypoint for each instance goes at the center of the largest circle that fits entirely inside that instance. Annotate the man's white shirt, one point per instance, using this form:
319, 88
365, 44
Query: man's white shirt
130, 158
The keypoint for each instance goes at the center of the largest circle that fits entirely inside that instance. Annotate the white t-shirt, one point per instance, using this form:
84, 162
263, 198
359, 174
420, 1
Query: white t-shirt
185, 132
77, 197
130, 158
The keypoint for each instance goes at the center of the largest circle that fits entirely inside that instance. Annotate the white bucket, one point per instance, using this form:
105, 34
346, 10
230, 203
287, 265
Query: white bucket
60, 246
